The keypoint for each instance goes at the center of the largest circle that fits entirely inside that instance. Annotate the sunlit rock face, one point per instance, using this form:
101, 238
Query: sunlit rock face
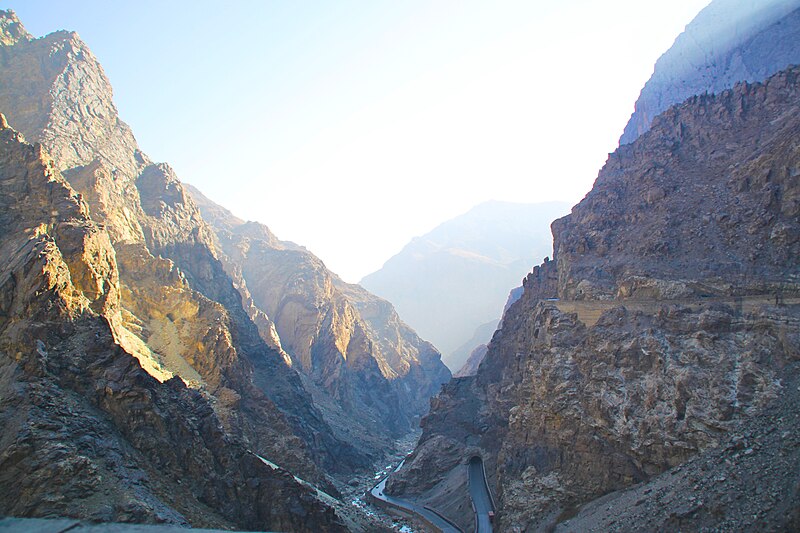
148, 378
729, 41
683, 268
87, 432
451, 281
180, 313
349, 344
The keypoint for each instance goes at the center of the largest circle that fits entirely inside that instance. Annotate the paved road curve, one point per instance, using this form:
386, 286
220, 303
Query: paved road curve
480, 495
429, 515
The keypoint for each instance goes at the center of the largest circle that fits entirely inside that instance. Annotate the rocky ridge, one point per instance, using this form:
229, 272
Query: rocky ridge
349, 344
87, 432
728, 42
689, 240
180, 314
150, 279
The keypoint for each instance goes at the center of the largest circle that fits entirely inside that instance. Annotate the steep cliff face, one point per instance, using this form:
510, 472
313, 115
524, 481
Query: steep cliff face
713, 210
488, 249
729, 41
181, 314
754, 466
324, 403
677, 280
86, 431
350, 345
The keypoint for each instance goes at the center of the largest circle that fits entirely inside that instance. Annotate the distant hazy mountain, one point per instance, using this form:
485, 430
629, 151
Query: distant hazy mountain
729, 41
475, 345
450, 281
472, 351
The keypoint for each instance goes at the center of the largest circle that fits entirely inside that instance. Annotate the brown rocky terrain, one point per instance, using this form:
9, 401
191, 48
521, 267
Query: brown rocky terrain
699, 213
181, 314
200, 379
86, 431
748, 483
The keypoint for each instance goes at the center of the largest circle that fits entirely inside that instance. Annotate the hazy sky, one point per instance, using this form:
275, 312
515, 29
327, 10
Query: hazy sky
351, 126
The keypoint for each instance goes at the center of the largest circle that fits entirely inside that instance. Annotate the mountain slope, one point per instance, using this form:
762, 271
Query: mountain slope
86, 431
678, 282
349, 343
181, 314
201, 361
729, 41
450, 281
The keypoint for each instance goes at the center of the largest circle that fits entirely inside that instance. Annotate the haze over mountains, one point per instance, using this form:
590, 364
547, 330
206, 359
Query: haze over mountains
664, 335
456, 278
163, 361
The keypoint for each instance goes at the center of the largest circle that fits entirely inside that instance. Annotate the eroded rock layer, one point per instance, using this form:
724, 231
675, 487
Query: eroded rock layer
180, 313
350, 345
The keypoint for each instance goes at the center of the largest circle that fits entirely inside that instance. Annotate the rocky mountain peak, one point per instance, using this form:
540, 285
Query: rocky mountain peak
729, 41
91, 225
66, 103
11, 29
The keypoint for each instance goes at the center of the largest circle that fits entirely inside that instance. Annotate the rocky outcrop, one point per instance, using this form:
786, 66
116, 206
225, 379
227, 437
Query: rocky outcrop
86, 431
704, 205
729, 41
351, 345
686, 250
487, 250
181, 314
747, 483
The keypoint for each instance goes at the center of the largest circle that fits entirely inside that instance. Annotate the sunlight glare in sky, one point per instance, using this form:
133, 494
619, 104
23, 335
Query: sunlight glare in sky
350, 127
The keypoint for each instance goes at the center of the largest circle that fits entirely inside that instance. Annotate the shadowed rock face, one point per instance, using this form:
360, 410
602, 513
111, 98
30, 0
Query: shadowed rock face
86, 431
729, 41
697, 215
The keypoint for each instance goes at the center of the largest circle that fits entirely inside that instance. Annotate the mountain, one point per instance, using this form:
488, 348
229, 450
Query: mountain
675, 332
141, 381
86, 431
455, 278
729, 41
474, 349
350, 344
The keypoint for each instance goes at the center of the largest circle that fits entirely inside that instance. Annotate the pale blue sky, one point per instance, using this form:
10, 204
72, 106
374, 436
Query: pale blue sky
352, 126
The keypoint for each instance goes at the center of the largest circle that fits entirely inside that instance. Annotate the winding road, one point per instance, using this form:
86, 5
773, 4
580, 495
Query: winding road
427, 514
482, 503
481, 499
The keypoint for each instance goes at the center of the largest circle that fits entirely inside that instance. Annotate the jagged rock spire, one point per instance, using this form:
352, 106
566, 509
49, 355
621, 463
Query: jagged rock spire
11, 29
